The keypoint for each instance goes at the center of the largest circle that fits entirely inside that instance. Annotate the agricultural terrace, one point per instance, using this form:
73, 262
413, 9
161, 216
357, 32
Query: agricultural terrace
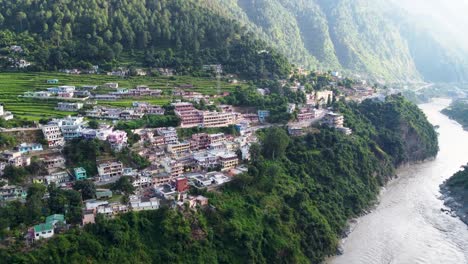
12, 85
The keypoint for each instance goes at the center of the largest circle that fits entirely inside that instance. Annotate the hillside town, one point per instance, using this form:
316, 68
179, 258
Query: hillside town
216, 149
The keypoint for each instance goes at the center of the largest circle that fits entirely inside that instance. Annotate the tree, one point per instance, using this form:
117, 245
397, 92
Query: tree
275, 143
86, 187
124, 185
14, 175
93, 124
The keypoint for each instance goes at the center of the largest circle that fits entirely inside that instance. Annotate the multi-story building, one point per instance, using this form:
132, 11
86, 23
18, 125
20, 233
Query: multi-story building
169, 134
54, 162
263, 115
16, 158
53, 136
228, 161
333, 120
80, 173
57, 178
110, 169
117, 139
70, 132
217, 119
199, 141
205, 160
178, 148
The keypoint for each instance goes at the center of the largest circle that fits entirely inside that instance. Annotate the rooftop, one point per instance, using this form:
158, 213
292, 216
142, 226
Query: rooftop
43, 227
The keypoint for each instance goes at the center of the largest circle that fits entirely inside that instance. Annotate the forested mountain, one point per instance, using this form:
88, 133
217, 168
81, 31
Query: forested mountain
167, 33
370, 37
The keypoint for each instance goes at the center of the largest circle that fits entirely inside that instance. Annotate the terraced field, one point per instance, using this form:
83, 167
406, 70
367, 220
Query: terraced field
14, 84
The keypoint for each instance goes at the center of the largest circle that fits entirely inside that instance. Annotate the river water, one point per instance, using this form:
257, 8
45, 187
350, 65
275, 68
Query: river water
408, 226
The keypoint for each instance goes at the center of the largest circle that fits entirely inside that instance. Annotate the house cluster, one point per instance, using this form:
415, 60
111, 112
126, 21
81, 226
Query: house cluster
64, 92
139, 91
53, 224
137, 111
57, 131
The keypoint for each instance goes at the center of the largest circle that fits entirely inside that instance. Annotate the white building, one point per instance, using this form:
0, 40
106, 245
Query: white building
53, 136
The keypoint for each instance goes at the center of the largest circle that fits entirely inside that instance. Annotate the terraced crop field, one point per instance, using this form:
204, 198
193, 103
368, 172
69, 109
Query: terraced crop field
12, 85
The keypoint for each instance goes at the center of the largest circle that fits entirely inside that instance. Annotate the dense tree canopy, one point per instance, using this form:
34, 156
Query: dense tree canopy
165, 33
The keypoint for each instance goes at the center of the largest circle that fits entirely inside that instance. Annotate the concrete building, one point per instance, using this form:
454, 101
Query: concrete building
29, 147
53, 136
117, 139
57, 178
263, 115
5, 114
169, 134
228, 161
80, 173
333, 120
109, 170
43, 231
69, 107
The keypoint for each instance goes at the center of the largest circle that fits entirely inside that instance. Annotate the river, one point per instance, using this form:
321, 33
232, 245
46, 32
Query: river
407, 226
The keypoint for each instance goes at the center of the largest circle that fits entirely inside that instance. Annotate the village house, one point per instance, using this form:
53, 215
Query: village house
53, 136
169, 134
103, 194
63, 106
181, 185
111, 85
228, 161
5, 114
80, 173
53, 162
178, 148
29, 147
109, 170
138, 204
166, 191
12, 192
57, 178
263, 115
117, 139
16, 158
43, 231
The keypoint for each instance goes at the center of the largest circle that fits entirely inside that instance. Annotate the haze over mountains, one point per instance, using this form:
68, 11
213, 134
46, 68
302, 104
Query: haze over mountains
397, 41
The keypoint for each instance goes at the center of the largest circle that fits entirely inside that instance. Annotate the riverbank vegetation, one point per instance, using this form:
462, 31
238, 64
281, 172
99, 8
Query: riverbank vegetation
455, 191
290, 207
458, 111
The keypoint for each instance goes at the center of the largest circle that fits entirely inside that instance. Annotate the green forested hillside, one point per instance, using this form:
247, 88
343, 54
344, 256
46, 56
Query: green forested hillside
60, 34
371, 38
291, 206
360, 36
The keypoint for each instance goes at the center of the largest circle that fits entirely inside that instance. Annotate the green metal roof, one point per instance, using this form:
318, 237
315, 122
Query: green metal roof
43, 227
55, 217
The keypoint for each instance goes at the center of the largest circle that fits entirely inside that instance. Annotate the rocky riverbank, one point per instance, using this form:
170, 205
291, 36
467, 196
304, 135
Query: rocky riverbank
455, 195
